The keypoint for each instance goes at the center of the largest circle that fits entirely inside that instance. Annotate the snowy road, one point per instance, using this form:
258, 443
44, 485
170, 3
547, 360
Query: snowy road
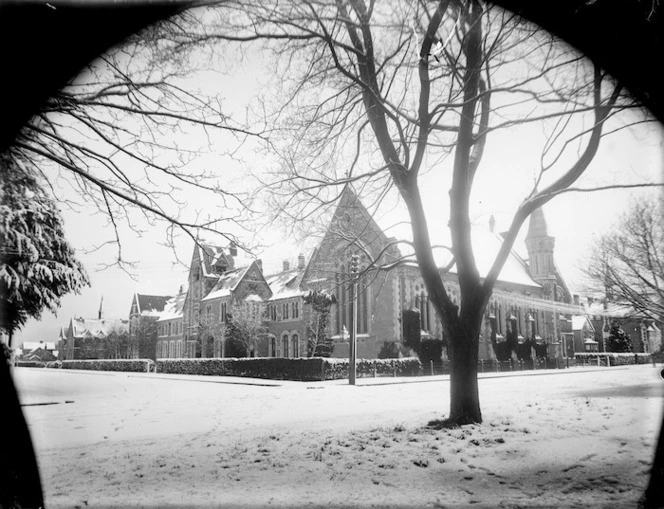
152, 431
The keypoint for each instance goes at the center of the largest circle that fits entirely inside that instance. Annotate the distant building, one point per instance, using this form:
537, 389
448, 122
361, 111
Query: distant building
40, 350
93, 338
644, 332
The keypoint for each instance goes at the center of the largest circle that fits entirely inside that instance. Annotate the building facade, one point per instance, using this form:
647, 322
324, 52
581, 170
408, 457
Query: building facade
530, 310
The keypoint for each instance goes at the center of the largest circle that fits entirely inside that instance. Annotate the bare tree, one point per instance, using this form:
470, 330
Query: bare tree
246, 325
116, 136
628, 262
396, 88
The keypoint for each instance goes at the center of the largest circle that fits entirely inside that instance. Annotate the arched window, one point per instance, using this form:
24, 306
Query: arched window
296, 345
284, 345
273, 346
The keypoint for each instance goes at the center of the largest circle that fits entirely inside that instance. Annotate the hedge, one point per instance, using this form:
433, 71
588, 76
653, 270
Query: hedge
304, 369
339, 368
614, 359
257, 367
133, 365
29, 364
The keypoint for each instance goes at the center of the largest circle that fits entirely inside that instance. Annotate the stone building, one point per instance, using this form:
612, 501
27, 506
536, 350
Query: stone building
530, 308
644, 332
89, 338
170, 327
143, 315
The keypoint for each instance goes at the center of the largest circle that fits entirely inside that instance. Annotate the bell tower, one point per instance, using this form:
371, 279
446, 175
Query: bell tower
540, 247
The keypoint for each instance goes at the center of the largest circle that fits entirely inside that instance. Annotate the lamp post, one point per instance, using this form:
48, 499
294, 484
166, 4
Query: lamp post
354, 269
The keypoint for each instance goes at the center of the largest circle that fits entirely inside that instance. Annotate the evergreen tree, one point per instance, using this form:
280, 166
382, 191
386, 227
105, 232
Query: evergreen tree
618, 341
410, 323
37, 264
319, 344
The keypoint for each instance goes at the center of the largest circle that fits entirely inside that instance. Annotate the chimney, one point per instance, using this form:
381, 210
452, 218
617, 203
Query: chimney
492, 224
286, 265
300, 261
576, 300
590, 301
181, 290
233, 249
259, 263
101, 304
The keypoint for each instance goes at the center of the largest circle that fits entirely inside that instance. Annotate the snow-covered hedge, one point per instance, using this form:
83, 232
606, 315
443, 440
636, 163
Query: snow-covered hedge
613, 359
258, 367
133, 365
338, 368
309, 369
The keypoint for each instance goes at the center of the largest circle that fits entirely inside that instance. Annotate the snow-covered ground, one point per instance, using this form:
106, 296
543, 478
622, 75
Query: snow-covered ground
568, 438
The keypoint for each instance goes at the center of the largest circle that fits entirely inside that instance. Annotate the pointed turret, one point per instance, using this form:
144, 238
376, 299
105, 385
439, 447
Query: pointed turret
537, 227
540, 247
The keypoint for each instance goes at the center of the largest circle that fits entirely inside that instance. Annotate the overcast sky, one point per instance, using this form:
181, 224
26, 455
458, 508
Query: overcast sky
504, 178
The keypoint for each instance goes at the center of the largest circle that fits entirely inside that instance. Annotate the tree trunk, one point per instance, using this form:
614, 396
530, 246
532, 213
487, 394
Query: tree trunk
464, 393
654, 495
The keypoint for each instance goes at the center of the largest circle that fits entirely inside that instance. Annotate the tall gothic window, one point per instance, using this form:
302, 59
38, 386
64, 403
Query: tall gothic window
284, 345
296, 345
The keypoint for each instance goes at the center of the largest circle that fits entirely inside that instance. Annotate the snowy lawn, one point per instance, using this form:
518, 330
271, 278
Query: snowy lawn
567, 438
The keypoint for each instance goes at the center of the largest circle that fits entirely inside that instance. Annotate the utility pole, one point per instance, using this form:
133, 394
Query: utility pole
354, 269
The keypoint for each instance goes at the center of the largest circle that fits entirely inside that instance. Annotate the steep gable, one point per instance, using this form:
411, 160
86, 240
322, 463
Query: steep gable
151, 304
240, 283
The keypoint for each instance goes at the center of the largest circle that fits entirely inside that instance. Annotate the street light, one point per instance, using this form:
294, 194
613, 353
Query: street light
354, 269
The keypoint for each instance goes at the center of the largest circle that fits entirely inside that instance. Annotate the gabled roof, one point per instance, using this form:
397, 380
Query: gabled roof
578, 322
485, 247
286, 284
227, 283
174, 308
211, 255
97, 328
612, 309
29, 346
351, 218
151, 304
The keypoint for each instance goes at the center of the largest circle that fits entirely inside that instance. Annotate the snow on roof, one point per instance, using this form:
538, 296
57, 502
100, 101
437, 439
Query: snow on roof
578, 321
227, 283
614, 309
174, 308
150, 304
212, 255
286, 284
94, 327
485, 247
29, 346
253, 298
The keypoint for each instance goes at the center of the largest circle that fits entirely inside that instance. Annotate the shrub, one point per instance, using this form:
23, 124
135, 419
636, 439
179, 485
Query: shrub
615, 359
389, 350
29, 364
132, 365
